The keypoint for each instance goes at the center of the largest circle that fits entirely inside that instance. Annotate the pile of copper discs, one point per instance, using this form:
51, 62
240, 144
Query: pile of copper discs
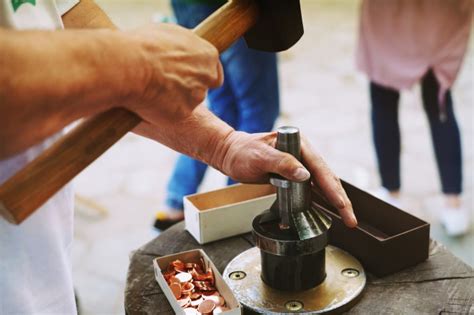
194, 288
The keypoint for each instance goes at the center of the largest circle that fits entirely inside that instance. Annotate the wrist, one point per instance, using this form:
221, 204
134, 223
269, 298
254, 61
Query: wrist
207, 136
222, 143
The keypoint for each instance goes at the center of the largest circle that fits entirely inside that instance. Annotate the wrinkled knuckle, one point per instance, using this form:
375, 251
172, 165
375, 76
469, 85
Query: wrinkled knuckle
198, 95
208, 53
338, 183
284, 164
201, 97
213, 53
348, 203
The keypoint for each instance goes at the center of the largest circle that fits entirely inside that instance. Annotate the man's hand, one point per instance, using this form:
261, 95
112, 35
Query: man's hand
179, 68
159, 72
174, 70
247, 157
251, 157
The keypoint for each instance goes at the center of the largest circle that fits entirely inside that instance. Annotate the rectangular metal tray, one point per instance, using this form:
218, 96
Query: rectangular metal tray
386, 240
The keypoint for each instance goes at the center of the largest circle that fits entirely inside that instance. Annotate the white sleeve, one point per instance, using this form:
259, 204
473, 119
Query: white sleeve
65, 5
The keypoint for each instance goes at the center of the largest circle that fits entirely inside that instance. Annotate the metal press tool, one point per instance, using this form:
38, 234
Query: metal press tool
292, 234
292, 269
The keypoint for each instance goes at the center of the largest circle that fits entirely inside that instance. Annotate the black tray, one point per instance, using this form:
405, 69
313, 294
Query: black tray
386, 240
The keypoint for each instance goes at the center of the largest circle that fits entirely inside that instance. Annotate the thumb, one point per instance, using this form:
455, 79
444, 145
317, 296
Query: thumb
286, 165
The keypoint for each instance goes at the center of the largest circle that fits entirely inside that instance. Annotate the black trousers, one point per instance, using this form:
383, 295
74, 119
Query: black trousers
444, 133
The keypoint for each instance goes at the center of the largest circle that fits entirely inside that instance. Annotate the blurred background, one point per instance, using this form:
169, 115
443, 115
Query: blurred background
321, 92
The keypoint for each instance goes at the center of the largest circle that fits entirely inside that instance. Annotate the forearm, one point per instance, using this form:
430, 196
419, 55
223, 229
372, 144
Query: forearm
248, 157
51, 78
202, 135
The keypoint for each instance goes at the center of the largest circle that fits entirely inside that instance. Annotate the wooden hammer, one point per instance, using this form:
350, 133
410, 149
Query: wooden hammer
266, 25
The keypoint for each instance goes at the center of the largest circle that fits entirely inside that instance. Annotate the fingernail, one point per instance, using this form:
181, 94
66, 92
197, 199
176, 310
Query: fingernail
354, 220
301, 174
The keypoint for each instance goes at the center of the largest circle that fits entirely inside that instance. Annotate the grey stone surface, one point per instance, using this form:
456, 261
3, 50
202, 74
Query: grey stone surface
321, 92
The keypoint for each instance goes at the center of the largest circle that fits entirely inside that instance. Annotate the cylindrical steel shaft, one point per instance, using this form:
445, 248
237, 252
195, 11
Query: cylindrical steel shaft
292, 237
288, 140
296, 197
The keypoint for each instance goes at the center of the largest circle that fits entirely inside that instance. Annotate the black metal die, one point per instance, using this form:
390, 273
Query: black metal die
293, 273
292, 234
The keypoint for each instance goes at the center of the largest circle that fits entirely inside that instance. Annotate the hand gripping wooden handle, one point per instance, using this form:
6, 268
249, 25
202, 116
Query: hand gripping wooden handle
32, 186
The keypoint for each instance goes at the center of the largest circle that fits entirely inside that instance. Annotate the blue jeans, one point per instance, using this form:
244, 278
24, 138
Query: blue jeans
248, 100
445, 135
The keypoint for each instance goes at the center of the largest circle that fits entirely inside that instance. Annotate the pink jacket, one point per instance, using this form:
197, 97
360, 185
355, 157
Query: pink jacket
401, 39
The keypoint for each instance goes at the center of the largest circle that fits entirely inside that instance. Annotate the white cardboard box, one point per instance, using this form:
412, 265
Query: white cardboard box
225, 212
161, 263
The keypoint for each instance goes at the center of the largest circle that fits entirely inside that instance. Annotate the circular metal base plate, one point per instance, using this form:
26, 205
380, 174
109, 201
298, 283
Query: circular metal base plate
344, 283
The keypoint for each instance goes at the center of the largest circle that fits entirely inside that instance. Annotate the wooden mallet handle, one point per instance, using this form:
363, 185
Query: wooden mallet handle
33, 185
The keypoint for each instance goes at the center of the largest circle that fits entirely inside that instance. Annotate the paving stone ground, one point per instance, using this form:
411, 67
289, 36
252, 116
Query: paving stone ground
322, 93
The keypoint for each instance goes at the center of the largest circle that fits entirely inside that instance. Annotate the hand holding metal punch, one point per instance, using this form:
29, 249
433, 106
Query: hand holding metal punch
292, 268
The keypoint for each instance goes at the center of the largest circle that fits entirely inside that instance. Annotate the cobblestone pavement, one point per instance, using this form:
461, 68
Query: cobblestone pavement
322, 93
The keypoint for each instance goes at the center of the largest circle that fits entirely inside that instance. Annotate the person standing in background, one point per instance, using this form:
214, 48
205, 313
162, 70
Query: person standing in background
248, 101
400, 43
